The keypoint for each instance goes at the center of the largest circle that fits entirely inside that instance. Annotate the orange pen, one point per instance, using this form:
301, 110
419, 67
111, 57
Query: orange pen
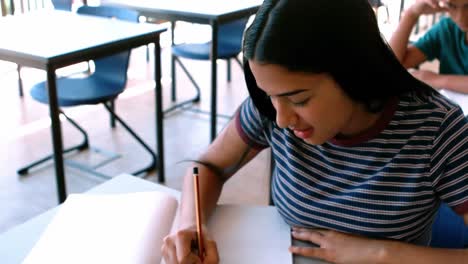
196, 188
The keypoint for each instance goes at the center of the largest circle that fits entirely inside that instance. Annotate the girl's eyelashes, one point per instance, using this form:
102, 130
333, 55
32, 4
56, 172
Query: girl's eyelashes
301, 103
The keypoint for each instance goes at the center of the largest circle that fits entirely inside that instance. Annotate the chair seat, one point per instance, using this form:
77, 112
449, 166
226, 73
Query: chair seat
201, 51
449, 230
79, 91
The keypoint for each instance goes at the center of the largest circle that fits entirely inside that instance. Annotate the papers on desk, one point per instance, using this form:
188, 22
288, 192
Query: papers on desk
129, 228
116, 228
459, 98
250, 235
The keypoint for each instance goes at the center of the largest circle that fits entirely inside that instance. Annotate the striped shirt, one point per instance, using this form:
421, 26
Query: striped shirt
386, 183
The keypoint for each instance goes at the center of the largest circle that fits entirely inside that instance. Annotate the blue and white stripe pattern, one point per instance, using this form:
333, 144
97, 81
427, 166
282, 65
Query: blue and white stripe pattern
386, 186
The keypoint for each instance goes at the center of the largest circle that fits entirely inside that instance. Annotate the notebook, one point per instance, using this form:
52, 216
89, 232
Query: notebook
129, 228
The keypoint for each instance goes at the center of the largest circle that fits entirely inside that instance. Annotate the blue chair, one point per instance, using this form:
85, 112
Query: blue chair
449, 230
65, 5
229, 46
102, 86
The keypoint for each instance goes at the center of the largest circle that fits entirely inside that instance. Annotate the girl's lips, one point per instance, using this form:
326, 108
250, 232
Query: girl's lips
305, 133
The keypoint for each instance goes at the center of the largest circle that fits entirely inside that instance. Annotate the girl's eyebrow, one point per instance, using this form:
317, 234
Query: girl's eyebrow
290, 93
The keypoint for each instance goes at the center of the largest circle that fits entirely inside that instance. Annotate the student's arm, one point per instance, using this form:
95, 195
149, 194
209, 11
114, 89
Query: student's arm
337, 247
224, 152
397, 252
409, 55
457, 83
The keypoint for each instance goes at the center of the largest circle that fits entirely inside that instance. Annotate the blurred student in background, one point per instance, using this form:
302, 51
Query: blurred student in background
446, 41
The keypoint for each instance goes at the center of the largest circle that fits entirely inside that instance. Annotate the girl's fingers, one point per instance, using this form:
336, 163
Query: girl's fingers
308, 235
303, 229
433, 3
211, 252
168, 251
311, 252
191, 259
183, 245
439, 6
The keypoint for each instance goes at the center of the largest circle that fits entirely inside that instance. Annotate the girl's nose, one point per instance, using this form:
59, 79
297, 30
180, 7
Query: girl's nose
285, 115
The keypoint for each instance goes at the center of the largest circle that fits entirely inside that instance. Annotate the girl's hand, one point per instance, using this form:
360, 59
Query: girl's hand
178, 248
426, 7
339, 248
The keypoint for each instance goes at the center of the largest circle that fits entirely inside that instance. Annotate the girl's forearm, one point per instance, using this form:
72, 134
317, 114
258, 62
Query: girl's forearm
400, 38
402, 253
458, 83
210, 190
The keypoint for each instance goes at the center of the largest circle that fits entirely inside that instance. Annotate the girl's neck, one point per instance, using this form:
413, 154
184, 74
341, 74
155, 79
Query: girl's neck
360, 122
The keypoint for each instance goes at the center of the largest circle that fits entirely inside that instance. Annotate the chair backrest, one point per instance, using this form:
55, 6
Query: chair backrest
111, 68
65, 5
449, 230
231, 33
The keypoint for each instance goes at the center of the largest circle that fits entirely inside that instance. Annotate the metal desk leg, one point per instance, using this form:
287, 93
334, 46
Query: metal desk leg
213, 58
159, 111
173, 59
56, 135
402, 6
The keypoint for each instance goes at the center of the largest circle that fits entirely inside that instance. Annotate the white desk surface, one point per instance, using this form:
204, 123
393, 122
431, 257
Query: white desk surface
16, 243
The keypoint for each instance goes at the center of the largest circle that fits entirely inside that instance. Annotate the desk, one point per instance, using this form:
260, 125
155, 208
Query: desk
16, 243
459, 98
212, 12
38, 43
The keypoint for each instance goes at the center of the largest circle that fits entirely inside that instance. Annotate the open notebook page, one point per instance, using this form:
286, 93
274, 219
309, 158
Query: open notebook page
102, 228
249, 235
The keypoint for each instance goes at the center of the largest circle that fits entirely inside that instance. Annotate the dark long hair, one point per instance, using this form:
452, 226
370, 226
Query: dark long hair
338, 37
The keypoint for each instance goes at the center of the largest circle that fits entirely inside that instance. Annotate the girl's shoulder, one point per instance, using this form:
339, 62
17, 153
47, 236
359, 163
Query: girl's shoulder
447, 26
428, 99
446, 22
429, 105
